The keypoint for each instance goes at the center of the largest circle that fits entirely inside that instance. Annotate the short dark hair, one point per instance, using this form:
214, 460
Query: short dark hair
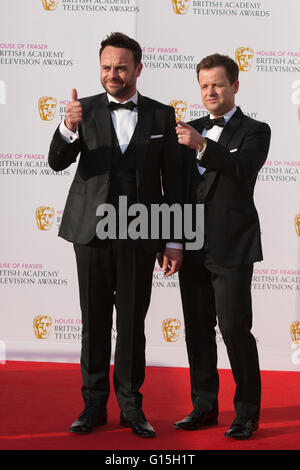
218, 60
123, 41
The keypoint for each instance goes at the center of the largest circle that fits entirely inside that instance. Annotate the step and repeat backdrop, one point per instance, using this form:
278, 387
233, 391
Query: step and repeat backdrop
48, 47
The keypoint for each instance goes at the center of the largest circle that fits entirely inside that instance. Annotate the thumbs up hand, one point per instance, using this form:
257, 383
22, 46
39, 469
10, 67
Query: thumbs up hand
73, 112
74, 94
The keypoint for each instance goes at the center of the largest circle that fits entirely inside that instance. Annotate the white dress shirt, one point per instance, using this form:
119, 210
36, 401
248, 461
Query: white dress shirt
213, 134
124, 121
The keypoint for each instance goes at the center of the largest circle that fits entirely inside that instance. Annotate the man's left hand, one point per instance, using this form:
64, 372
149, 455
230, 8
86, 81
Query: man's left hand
170, 261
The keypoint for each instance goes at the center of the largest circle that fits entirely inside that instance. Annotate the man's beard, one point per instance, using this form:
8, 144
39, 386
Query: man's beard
120, 92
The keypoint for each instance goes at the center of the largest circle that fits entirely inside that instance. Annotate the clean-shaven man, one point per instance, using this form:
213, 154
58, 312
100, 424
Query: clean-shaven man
223, 153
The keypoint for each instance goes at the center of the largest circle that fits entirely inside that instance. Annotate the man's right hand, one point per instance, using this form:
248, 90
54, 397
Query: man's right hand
73, 112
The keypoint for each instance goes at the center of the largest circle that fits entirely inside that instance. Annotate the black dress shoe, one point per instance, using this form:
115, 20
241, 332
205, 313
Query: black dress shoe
198, 419
88, 420
138, 423
240, 430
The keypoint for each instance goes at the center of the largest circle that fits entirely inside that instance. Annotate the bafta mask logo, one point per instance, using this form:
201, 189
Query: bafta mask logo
42, 326
44, 216
171, 329
295, 332
180, 109
50, 5
47, 107
180, 7
244, 57
297, 224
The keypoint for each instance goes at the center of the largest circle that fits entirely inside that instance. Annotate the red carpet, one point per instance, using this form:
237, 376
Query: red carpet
40, 400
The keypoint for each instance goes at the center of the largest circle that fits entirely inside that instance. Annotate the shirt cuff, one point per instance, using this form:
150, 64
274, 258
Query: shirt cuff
178, 246
67, 135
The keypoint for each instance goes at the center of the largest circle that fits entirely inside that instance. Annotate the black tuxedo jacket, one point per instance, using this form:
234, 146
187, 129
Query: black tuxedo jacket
158, 161
231, 224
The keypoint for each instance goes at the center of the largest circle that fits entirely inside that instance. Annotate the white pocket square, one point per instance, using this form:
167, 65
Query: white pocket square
157, 136
233, 150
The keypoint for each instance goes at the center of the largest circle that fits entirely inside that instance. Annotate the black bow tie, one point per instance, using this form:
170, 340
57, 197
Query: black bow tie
209, 123
112, 106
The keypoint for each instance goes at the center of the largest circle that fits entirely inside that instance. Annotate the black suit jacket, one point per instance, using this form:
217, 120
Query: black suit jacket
158, 161
231, 222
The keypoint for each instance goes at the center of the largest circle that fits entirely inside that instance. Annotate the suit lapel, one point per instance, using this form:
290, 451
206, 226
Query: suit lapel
198, 124
230, 128
225, 137
210, 175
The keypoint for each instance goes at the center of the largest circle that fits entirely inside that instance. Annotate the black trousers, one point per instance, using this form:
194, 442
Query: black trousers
210, 292
113, 273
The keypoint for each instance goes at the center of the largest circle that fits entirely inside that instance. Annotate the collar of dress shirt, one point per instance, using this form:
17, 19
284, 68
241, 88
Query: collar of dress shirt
226, 116
133, 98
214, 133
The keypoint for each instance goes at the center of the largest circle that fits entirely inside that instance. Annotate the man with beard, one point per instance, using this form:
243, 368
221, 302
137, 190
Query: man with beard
128, 147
